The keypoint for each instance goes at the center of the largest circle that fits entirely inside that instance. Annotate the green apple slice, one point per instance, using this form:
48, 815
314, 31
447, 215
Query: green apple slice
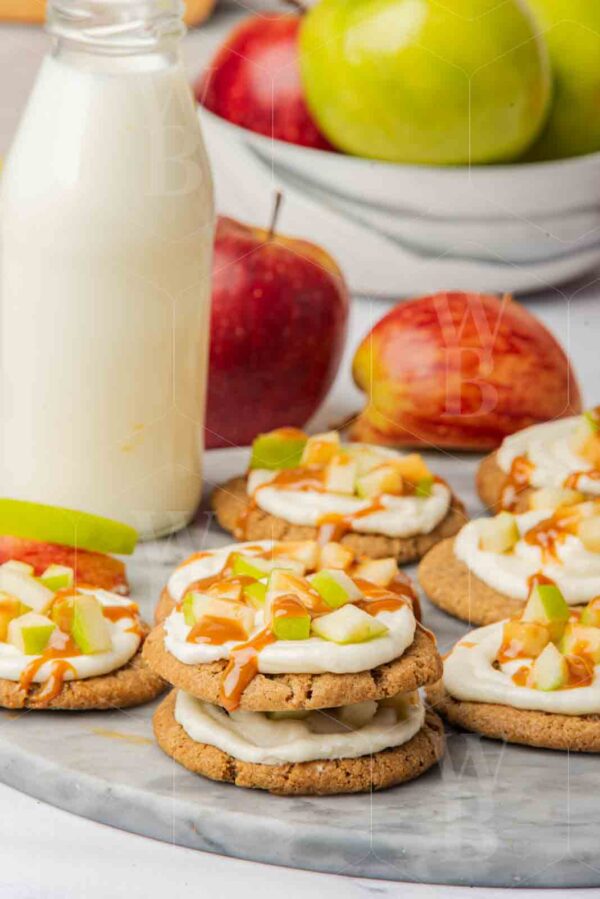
553, 497
9, 608
26, 588
89, 628
199, 605
23, 567
579, 638
321, 448
335, 587
281, 448
499, 534
30, 633
57, 577
51, 524
348, 625
591, 614
547, 605
250, 566
340, 475
588, 532
255, 594
290, 621
386, 479
366, 458
335, 555
550, 670
424, 487
525, 638
305, 551
377, 571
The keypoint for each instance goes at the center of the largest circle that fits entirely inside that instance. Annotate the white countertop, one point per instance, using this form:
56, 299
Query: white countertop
50, 854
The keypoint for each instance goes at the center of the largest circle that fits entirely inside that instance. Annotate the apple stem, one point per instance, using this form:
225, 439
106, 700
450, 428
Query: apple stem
275, 215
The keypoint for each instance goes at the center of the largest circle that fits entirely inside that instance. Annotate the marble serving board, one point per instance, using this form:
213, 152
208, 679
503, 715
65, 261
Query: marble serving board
489, 814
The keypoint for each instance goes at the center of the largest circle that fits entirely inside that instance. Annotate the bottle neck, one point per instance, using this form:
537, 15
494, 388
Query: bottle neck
116, 27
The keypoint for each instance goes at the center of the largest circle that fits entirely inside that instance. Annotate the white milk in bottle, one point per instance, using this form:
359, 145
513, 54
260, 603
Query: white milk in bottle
106, 237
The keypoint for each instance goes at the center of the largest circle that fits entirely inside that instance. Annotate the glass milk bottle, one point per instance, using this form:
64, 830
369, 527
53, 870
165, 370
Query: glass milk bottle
106, 237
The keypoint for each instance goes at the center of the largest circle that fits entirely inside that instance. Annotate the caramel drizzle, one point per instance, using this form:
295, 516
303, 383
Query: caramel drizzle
216, 631
242, 668
551, 532
572, 481
518, 480
54, 684
581, 672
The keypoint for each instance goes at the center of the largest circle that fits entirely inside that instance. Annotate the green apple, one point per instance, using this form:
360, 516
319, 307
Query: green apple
377, 571
385, 478
547, 605
580, 639
424, 486
89, 628
414, 468
286, 583
588, 532
61, 613
499, 534
340, 474
335, 555
57, 577
290, 619
305, 551
524, 638
9, 608
419, 81
571, 29
335, 587
321, 448
358, 714
255, 594
199, 605
553, 497
366, 457
26, 588
348, 625
591, 614
51, 524
550, 670
281, 448
23, 567
30, 633
254, 566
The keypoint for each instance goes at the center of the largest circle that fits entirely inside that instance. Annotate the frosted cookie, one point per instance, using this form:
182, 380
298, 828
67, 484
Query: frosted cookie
353, 749
486, 572
534, 679
561, 458
375, 500
69, 647
281, 626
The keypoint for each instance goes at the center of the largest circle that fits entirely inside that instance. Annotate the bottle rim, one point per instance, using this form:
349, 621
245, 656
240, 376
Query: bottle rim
116, 26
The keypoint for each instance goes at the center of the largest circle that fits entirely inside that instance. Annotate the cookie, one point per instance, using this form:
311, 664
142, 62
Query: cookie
451, 586
577, 733
133, 684
490, 480
420, 664
317, 778
230, 500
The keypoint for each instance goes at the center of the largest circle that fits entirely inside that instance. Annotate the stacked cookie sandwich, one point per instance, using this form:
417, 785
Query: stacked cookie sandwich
296, 668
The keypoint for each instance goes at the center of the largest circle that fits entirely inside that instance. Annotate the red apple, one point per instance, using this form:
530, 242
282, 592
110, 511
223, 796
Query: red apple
254, 81
460, 370
278, 326
95, 569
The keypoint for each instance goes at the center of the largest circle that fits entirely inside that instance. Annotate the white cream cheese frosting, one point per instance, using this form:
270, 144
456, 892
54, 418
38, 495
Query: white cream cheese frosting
469, 675
547, 446
256, 738
576, 574
402, 516
124, 647
209, 563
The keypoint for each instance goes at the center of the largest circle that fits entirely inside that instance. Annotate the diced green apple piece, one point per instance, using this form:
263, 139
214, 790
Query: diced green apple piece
256, 567
199, 605
255, 594
550, 670
51, 524
348, 624
553, 497
424, 487
377, 571
547, 605
499, 534
305, 551
26, 588
335, 587
321, 448
591, 614
358, 714
286, 583
229, 588
10, 608
290, 620
89, 628
61, 613
335, 555
581, 639
384, 479
340, 474
281, 448
525, 638
413, 468
366, 457
30, 633
57, 577
23, 567
588, 532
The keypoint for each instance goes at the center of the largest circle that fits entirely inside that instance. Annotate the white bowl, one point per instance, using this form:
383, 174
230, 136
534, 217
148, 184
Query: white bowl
398, 229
